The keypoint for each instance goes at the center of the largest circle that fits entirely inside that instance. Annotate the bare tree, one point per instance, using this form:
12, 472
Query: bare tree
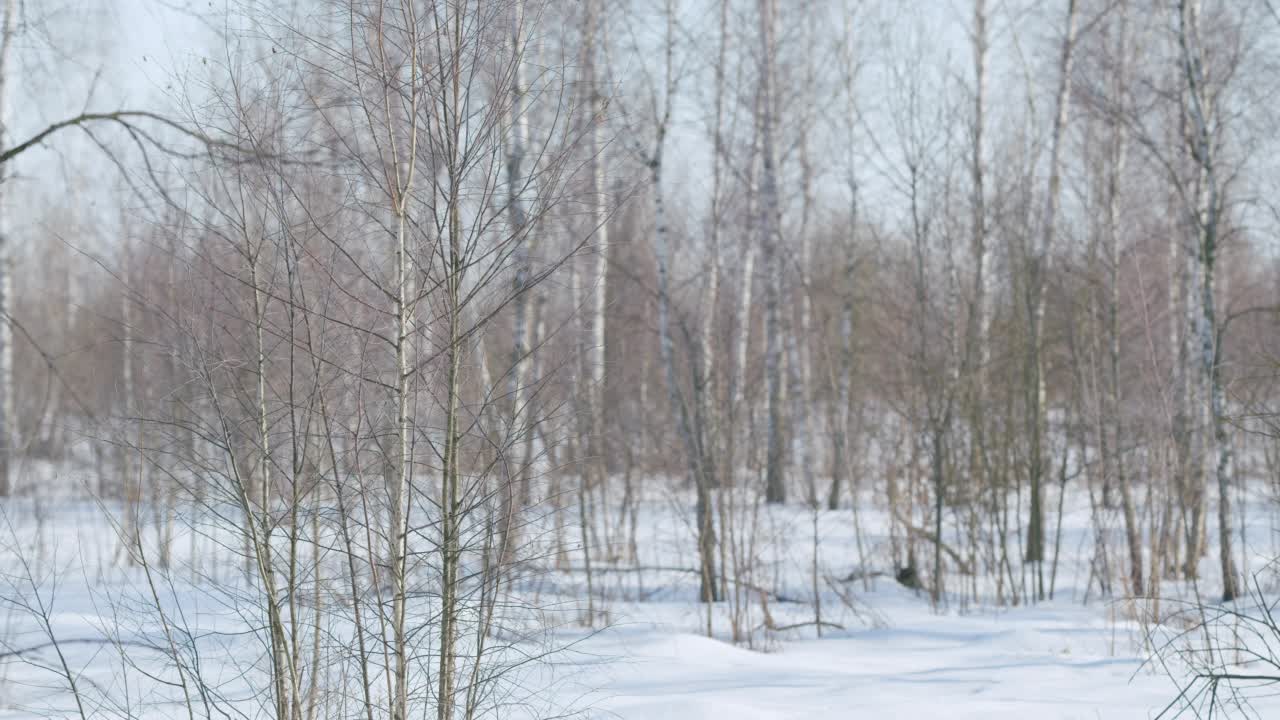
1037, 267
1206, 213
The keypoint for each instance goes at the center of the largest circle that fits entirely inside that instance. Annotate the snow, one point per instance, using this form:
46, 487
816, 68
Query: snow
887, 654
1045, 662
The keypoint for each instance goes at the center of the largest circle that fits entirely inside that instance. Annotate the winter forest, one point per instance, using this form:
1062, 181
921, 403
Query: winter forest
639, 359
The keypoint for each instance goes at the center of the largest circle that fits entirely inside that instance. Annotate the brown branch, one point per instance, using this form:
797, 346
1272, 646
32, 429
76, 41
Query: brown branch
806, 623
19, 652
120, 117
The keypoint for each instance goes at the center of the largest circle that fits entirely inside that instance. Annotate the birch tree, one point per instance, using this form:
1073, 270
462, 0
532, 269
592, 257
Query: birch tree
1206, 220
696, 455
771, 254
8, 437
1037, 268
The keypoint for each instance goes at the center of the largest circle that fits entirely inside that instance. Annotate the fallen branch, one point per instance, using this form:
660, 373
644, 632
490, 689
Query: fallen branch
807, 623
776, 596
856, 575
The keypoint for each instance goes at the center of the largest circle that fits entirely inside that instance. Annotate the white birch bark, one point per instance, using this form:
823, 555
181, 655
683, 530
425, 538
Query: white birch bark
599, 167
840, 462
709, 591
8, 434
798, 342
132, 521
403, 154
1118, 154
775, 486
517, 142
451, 501
1210, 399
976, 355
1038, 269
711, 290
742, 415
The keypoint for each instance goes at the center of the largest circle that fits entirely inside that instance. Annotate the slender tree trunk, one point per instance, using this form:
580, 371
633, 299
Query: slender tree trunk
131, 472
577, 451
1116, 165
704, 512
976, 346
8, 418
1210, 397
707, 420
775, 485
1186, 480
840, 463
517, 141
451, 501
1037, 421
740, 415
599, 179
284, 679
403, 478
405, 360
740, 412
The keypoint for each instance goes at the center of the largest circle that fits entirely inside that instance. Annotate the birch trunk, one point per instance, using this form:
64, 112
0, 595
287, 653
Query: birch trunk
1186, 479
599, 307
402, 179
844, 378
1118, 152
844, 383
1040, 259
576, 451
285, 681
130, 472
740, 414
1209, 396
709, 590
711, 292
775, 485
8, 436
451, 501
517, 141
977, 348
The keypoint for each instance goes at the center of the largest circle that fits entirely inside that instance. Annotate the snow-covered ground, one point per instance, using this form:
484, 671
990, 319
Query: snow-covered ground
894, 655
1045, 662
884, 652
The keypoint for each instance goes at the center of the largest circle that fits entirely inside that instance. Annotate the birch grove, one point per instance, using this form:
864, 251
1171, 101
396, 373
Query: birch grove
421, 335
